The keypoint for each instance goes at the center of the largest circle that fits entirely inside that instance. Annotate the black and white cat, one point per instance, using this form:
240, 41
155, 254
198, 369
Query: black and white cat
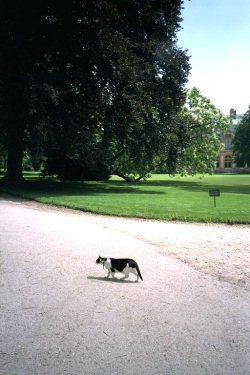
122, 265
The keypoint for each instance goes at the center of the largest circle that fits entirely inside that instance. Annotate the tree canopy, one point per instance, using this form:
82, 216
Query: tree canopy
95, 87
205, 126
241, 141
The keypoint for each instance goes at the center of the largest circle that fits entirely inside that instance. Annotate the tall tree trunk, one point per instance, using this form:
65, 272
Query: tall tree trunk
15, 118
15, 153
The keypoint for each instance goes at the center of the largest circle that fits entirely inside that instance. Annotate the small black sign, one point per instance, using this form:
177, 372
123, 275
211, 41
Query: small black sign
214, 193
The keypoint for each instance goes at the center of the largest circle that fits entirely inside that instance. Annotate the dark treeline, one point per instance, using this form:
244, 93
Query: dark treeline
91, 88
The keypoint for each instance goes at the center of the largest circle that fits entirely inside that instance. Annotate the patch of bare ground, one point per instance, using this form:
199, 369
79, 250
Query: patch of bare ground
219, 250
216, 249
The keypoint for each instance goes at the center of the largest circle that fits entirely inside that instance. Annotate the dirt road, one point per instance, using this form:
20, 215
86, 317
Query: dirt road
59, 315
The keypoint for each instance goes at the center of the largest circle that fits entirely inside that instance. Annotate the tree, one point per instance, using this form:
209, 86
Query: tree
96, 85
205, 126
241, 141
3, 158
154, 134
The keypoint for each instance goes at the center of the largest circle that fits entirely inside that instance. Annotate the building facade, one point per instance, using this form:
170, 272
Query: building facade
225, 160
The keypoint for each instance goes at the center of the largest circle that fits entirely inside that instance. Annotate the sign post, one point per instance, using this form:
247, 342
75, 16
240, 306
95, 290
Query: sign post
214, 193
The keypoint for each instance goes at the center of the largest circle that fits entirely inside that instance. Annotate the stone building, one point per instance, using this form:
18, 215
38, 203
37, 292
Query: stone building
225, 160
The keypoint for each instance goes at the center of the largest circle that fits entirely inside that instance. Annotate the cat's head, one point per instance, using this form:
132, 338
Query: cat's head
100, 260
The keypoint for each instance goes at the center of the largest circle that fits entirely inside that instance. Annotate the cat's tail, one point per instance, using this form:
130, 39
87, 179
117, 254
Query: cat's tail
138, 271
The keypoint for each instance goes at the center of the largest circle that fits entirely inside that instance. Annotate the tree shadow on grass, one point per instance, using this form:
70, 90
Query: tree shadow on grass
113, 187
54, 189
198, 186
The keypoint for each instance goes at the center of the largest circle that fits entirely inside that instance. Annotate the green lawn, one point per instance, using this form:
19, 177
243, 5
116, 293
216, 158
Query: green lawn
161, 197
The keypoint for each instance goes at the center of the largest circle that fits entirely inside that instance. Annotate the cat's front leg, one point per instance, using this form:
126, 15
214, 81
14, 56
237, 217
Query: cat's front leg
112, 274
112, 270
108, 274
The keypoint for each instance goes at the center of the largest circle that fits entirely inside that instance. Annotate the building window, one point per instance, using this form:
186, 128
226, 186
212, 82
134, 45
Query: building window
228, 162
228, 139
218, 163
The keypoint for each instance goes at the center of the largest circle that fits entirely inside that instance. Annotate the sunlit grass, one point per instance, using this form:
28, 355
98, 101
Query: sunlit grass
161, 197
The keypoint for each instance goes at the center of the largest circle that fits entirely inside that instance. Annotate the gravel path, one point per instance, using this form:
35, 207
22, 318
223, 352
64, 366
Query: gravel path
59, 315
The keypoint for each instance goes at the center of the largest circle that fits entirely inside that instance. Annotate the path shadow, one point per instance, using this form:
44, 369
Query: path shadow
111, 280
12, 198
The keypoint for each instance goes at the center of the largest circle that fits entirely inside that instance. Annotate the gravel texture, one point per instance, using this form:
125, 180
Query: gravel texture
59, 315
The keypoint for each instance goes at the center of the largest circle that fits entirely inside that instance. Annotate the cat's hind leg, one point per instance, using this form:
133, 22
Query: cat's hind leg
133, 270
124, 277
125, 271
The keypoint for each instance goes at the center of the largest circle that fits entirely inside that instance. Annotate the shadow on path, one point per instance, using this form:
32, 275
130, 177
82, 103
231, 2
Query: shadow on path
111, 280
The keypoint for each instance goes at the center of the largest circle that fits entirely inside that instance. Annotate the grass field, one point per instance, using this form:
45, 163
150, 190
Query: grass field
161, 197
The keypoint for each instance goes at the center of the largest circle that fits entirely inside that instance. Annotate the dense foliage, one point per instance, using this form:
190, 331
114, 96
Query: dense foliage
92, 87
206, 124
241, 141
